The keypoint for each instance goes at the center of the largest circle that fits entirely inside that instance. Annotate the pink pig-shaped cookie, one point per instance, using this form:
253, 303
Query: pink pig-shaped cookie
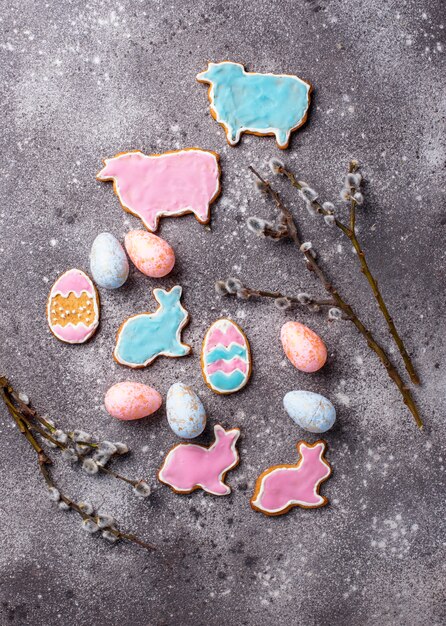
189, 466
172, 183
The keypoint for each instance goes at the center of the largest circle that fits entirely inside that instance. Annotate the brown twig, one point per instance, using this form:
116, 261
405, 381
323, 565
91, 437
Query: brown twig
350, 232
21, 415
340, 302
110, 472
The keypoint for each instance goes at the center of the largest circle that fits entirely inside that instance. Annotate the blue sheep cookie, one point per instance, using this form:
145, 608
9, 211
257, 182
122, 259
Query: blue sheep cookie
260, 104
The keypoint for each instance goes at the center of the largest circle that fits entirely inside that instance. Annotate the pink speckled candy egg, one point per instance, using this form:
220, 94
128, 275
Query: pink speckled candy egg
305, 349
152, 255
131, 401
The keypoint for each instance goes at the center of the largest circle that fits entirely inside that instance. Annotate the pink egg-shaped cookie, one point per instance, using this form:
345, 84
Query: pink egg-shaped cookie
73, 307
305, 349
131, 401
152, 255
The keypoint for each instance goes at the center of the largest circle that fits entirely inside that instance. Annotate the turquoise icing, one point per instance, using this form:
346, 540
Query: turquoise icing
256, 102
227, 382
146, 336
220, 352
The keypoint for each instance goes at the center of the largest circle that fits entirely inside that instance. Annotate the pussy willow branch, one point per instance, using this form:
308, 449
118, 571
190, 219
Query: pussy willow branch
62, 446
312, 304
350, 232
261, 293
340, 302
30, 413
75, 507
17, 409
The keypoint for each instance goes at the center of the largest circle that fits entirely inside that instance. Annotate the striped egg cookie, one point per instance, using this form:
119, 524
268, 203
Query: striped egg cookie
225, 357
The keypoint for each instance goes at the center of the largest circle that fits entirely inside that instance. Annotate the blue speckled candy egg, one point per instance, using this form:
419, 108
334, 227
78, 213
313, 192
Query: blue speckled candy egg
108, 262
185, 412
310, 411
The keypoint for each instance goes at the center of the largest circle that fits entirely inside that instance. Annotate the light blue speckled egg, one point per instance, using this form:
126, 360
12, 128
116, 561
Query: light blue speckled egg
108, 262
310, 411
185, 412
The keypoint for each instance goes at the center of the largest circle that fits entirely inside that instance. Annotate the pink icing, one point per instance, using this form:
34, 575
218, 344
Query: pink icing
227, 366
168, 184
217, 336
73, 334
73, 281
188, 466
298, 485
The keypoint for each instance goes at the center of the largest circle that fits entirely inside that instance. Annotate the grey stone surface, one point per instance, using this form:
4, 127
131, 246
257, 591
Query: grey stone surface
84, 80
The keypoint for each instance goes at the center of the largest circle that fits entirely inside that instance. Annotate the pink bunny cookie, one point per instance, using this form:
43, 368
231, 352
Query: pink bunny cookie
282, 487
189, 466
